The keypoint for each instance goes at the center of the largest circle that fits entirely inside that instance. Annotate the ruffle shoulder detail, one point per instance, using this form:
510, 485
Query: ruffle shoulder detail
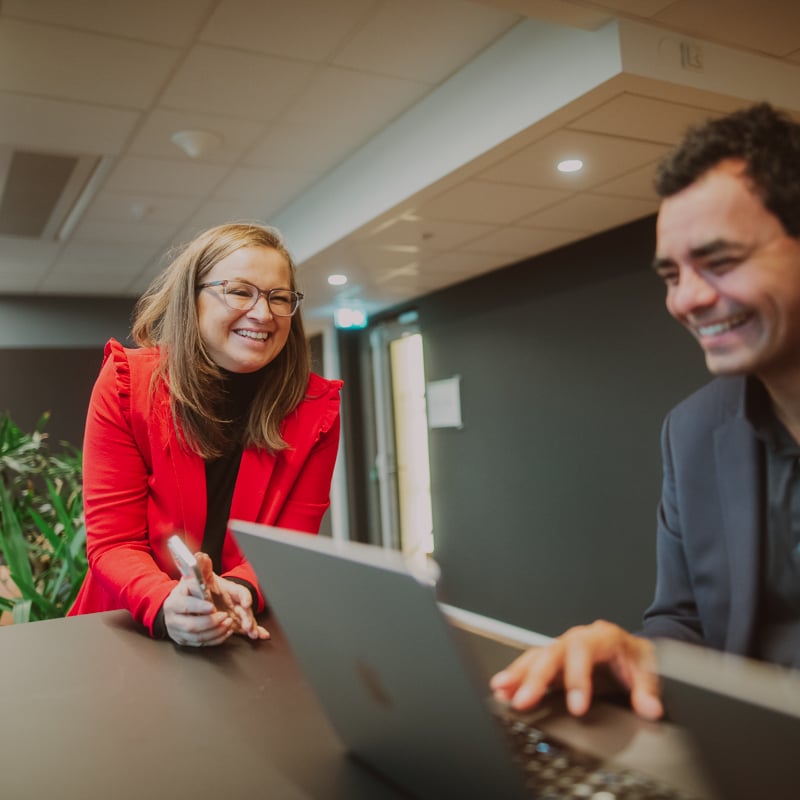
324, 393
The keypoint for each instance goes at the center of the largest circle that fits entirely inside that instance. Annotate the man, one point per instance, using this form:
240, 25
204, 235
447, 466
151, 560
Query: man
728, 542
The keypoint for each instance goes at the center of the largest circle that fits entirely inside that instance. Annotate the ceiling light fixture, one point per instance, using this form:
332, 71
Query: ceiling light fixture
570, 165
196, 143
337, 280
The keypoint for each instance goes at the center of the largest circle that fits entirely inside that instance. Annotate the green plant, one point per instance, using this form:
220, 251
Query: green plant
42, 533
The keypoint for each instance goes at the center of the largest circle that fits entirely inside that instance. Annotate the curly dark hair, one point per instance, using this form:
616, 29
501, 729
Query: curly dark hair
767, 140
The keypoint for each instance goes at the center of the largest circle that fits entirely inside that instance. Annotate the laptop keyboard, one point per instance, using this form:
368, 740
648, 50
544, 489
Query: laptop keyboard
558, 771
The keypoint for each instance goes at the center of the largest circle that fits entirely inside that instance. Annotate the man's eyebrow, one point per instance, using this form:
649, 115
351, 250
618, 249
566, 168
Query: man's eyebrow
715, 246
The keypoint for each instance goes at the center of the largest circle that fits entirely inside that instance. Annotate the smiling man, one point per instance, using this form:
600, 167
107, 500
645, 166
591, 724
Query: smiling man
728, 542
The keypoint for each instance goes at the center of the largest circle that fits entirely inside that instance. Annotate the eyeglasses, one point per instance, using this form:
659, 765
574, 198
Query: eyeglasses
243, 296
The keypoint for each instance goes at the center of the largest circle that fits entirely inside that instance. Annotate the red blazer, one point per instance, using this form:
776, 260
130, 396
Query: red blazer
140, 486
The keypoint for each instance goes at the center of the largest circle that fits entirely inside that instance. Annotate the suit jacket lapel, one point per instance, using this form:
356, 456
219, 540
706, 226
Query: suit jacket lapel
738, 476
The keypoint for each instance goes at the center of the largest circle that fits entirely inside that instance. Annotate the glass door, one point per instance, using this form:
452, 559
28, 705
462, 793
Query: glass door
402, 460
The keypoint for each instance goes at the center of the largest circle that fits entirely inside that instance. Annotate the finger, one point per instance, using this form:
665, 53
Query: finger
645, 689
205, 640
246, 620
214, 634
579, 663
262, 633
543, 669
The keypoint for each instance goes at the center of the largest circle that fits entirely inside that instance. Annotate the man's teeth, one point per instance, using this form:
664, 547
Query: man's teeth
721, 327
260, 335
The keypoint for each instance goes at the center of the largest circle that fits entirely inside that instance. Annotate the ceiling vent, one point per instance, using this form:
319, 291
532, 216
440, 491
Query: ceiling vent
42, 195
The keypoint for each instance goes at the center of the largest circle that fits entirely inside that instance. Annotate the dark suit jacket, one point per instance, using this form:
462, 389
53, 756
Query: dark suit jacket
709, 522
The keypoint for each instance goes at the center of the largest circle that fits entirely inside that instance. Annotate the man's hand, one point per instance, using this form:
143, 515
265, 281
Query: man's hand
569, 661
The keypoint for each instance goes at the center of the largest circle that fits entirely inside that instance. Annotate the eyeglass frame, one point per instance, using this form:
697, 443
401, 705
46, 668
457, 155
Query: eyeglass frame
266, 292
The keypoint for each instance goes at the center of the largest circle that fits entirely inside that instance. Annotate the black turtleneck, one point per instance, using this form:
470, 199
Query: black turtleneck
221, 473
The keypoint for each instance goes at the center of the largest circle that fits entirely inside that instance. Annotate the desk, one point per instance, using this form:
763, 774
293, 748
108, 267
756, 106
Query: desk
90, 707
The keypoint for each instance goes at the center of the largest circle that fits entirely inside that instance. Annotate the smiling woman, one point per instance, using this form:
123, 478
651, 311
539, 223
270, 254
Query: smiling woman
215, 415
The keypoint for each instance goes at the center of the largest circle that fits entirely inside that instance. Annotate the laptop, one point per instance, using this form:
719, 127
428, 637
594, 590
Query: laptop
408, 697
744, 716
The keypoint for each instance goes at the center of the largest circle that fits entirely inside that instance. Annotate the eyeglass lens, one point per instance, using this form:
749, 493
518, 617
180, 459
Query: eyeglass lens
243, 296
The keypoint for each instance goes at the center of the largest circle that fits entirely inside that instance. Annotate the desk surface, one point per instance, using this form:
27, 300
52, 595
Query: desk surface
90, 707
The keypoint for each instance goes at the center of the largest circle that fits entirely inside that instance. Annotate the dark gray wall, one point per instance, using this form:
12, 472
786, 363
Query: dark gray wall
50, 353
544, 504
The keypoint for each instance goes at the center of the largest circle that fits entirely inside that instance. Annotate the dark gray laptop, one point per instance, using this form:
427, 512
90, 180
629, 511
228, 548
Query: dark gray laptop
743, 714
398, 684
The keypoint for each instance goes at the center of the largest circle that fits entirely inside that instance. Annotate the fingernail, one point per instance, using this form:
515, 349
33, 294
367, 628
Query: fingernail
576, 701
522, 696
498, 679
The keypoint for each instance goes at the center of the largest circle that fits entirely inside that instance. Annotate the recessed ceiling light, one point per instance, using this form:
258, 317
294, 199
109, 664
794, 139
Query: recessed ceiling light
337, 280
570, 165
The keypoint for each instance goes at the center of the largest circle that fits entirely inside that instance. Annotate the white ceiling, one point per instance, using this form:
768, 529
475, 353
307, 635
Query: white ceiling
408, 144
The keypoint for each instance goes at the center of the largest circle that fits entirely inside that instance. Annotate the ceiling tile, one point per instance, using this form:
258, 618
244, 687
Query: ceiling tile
25, 259
639, 8
592, 213
410, 230
441, 269
154, 233
422, 40
70, 65
285, 29
491, 203
265, 190
604, 158
217, 212
171, 23
370, 101
521, 242
638, 184
222, 81
146, 176
637, 117
136, 208
97, 257
60, 127
299, 146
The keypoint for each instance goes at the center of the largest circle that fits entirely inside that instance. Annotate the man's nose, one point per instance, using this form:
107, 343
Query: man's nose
693, 291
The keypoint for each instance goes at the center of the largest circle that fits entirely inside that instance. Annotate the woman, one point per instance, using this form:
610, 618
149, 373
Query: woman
215, 415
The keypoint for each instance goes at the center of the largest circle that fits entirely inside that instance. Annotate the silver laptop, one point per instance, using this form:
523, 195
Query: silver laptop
407, 697
744, 716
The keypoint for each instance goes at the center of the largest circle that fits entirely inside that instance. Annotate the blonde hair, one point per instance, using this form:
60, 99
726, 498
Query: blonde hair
166, 317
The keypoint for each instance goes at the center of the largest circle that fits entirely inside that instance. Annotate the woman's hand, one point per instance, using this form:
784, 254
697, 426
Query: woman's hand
193, 622
196, 622
232, 598
239, 602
